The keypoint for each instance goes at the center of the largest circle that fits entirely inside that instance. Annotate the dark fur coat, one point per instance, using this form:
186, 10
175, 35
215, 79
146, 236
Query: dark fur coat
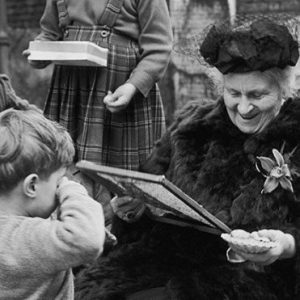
205, 155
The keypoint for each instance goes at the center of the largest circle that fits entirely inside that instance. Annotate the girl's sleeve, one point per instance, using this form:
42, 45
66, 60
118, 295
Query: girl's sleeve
47, 246
50, 30
155, 41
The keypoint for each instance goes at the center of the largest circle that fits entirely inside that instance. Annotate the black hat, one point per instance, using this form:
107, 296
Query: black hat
262, 45
252, 43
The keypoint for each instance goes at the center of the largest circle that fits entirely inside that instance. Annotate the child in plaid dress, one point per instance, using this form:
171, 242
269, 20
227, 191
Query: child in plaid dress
113, 114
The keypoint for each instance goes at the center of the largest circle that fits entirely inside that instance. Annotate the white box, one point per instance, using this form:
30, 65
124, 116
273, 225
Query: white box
69, 53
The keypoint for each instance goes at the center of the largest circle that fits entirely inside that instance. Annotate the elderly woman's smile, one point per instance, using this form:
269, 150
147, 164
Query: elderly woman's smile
252, 100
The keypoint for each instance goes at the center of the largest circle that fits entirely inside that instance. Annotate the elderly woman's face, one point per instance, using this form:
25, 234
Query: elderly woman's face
252, 100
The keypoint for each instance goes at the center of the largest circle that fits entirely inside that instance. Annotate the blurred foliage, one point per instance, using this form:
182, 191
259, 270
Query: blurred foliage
29, 83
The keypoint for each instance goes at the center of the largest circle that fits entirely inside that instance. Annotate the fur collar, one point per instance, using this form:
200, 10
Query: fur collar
212, 121
214, 162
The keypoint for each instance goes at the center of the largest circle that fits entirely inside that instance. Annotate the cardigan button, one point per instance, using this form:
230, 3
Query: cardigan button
104, 33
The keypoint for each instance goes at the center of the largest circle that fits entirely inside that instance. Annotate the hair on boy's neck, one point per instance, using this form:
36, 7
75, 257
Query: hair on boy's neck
13, 202
33, 196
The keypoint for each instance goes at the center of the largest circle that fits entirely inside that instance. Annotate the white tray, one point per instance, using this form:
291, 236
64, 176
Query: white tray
69, 53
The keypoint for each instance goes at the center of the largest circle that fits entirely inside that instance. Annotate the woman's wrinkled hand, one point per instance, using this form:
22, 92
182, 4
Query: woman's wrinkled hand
127, 208
284, 246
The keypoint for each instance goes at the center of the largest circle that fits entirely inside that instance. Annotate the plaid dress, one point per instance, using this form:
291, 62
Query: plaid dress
75, 99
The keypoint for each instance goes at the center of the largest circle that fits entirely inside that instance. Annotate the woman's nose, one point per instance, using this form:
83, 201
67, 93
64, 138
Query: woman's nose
244, 106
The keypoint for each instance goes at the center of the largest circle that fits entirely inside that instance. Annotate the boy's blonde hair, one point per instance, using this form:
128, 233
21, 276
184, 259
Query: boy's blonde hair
30, 143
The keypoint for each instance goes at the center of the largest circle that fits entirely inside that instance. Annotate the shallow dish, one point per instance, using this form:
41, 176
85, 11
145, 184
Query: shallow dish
250, 245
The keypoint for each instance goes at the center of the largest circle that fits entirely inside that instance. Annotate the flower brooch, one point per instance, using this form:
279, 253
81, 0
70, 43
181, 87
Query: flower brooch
276, 172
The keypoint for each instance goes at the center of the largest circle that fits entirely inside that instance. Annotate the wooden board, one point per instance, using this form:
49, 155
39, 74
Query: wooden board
162, 197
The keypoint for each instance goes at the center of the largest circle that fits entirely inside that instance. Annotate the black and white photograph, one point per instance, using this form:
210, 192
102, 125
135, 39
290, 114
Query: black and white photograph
149, 149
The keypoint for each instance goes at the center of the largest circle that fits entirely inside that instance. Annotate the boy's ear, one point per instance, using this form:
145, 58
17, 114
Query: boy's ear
30, 185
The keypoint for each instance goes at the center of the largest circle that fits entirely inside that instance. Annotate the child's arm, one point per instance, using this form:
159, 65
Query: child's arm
50, 31
155, 43
49, 246
121, 97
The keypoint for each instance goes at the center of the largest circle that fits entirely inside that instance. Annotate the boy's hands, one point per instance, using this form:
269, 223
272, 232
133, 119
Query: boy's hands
67, 187
37, 64
127, 208
120, 99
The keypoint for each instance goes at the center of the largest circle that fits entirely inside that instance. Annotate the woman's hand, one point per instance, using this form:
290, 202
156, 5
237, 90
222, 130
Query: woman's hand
284, 246
37, 64
127, 208
120, 99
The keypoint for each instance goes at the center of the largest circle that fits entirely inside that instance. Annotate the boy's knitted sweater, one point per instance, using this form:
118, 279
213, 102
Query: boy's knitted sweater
36, 255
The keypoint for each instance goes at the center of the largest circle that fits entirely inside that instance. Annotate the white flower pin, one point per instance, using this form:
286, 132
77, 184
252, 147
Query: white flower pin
278, 173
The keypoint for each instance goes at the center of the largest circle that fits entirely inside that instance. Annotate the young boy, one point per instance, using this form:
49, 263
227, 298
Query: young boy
37, 251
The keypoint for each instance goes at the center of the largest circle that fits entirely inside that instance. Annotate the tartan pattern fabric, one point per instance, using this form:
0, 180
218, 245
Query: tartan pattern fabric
75, 100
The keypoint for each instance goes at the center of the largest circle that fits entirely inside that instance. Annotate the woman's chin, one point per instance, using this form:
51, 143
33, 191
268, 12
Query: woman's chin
247, 128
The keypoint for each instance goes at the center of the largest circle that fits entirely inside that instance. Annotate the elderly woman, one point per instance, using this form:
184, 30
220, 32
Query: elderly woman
239, 158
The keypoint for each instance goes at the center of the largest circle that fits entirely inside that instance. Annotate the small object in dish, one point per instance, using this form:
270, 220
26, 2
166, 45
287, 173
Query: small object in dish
251, 244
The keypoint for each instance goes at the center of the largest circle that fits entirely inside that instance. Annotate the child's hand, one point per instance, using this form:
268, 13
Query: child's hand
37, 64
67, 187
120, 99
127, 208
